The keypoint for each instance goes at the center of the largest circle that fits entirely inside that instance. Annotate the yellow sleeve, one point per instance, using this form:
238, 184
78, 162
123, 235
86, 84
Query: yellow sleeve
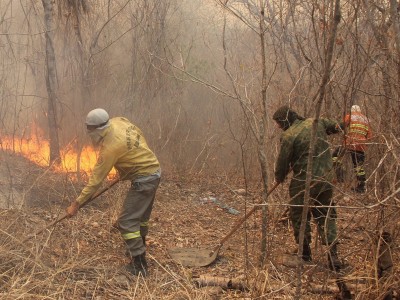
104, 164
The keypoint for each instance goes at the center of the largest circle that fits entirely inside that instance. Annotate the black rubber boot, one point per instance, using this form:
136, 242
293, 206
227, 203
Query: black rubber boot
360, 188
336, 265
138, 265
344, 291
333, 259
306, 253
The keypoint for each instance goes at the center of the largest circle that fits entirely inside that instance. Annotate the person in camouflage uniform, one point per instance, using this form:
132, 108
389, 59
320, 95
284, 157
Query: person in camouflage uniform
293, 155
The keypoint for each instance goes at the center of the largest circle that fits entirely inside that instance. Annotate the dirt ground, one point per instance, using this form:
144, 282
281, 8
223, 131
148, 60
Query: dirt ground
83, 257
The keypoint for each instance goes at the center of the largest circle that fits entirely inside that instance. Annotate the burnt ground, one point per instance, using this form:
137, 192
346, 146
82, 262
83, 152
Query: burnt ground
82, 257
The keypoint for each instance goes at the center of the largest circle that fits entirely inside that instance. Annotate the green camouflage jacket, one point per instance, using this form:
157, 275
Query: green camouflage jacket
294, 149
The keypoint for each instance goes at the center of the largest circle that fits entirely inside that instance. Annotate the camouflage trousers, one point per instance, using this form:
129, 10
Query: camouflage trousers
321, 208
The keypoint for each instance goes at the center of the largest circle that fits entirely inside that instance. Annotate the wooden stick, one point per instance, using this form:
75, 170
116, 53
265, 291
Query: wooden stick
240, 222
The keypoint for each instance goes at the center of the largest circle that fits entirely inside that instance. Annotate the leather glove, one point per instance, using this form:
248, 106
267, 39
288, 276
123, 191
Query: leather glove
72, 210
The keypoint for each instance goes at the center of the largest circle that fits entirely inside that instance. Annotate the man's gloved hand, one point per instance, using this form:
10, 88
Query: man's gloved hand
72, 210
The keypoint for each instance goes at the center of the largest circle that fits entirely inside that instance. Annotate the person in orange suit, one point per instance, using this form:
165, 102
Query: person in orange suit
358, 132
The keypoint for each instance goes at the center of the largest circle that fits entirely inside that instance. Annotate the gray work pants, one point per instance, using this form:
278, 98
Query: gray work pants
135, 214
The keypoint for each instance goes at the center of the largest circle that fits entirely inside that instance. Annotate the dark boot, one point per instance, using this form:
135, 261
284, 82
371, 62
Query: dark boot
333, 259
138, 265
336, 265
360, 188
306, 253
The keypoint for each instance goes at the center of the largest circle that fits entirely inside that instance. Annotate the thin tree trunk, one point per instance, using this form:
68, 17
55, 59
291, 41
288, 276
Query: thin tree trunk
51, 81
321, 94
84, 90
394, 15
257, 125
381, 38
261, 138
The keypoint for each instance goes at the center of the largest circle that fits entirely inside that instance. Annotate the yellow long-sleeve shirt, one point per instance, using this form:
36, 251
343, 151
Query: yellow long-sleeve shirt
123, 147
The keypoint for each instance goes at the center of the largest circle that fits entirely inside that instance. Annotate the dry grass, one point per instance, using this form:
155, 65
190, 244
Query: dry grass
82, 257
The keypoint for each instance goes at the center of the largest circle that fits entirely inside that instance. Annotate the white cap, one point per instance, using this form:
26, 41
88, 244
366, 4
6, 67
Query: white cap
355, 108
98, 117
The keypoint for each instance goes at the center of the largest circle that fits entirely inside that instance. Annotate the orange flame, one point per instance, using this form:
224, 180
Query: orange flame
37, 150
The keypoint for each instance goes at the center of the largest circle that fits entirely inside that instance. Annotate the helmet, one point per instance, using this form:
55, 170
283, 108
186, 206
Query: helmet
355, 108
97, 119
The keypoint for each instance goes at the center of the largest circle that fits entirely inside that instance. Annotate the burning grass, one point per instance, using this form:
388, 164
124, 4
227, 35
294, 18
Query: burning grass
36, 148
